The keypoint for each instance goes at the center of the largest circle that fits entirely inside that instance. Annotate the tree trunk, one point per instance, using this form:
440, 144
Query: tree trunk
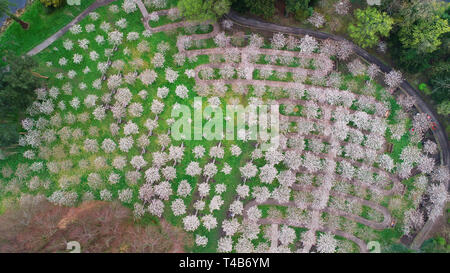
23, 24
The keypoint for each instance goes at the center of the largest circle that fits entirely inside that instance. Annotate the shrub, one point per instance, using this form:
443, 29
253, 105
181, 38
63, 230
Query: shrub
52, 3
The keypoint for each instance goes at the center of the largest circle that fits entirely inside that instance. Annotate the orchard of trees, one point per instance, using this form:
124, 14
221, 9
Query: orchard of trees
416, 34
101, 129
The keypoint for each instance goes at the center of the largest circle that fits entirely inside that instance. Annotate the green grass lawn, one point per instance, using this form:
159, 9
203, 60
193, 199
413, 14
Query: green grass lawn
43, 23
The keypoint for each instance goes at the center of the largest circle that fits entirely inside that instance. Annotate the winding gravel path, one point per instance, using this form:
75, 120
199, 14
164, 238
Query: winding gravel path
324, 104
269, 221
375, 225
397, 188
421, 105
439, 134
274, 238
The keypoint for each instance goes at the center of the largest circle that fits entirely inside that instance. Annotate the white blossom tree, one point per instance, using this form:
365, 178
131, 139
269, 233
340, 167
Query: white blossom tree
426, 164
201, 240
156, 207
249, 170
209, 222
342, 7
222, 40
176, 153
158, 60
163, 190
413, 220
146, 192
243, 191
184, 188
230, 227
261, 194
316, 19
215, 203
441, 174
157, 107
148, 76
138, 162
287, 235
225, 244
308, 44
278, 41
393, 79
108, 145
198, 151
181, 91
193, 169
209, 170
236, 208
191, 223
267, 173
326, 243
254, 214
386, 162
438, 198
286, 178
430, 147
178, 207
171, 75
152, 175
115, 37
203, 189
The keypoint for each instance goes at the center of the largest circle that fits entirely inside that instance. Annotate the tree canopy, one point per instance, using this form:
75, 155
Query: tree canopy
4, 6
295, 5
203, 9
17, 84
370, 25
444, 108
264, 8
424, 34
52, 3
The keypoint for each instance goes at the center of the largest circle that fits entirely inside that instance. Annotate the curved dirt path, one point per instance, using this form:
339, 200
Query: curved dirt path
421, 105
269, 221
324, 104
396, 188
375, 225
440, 134
47, 42
393, 178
